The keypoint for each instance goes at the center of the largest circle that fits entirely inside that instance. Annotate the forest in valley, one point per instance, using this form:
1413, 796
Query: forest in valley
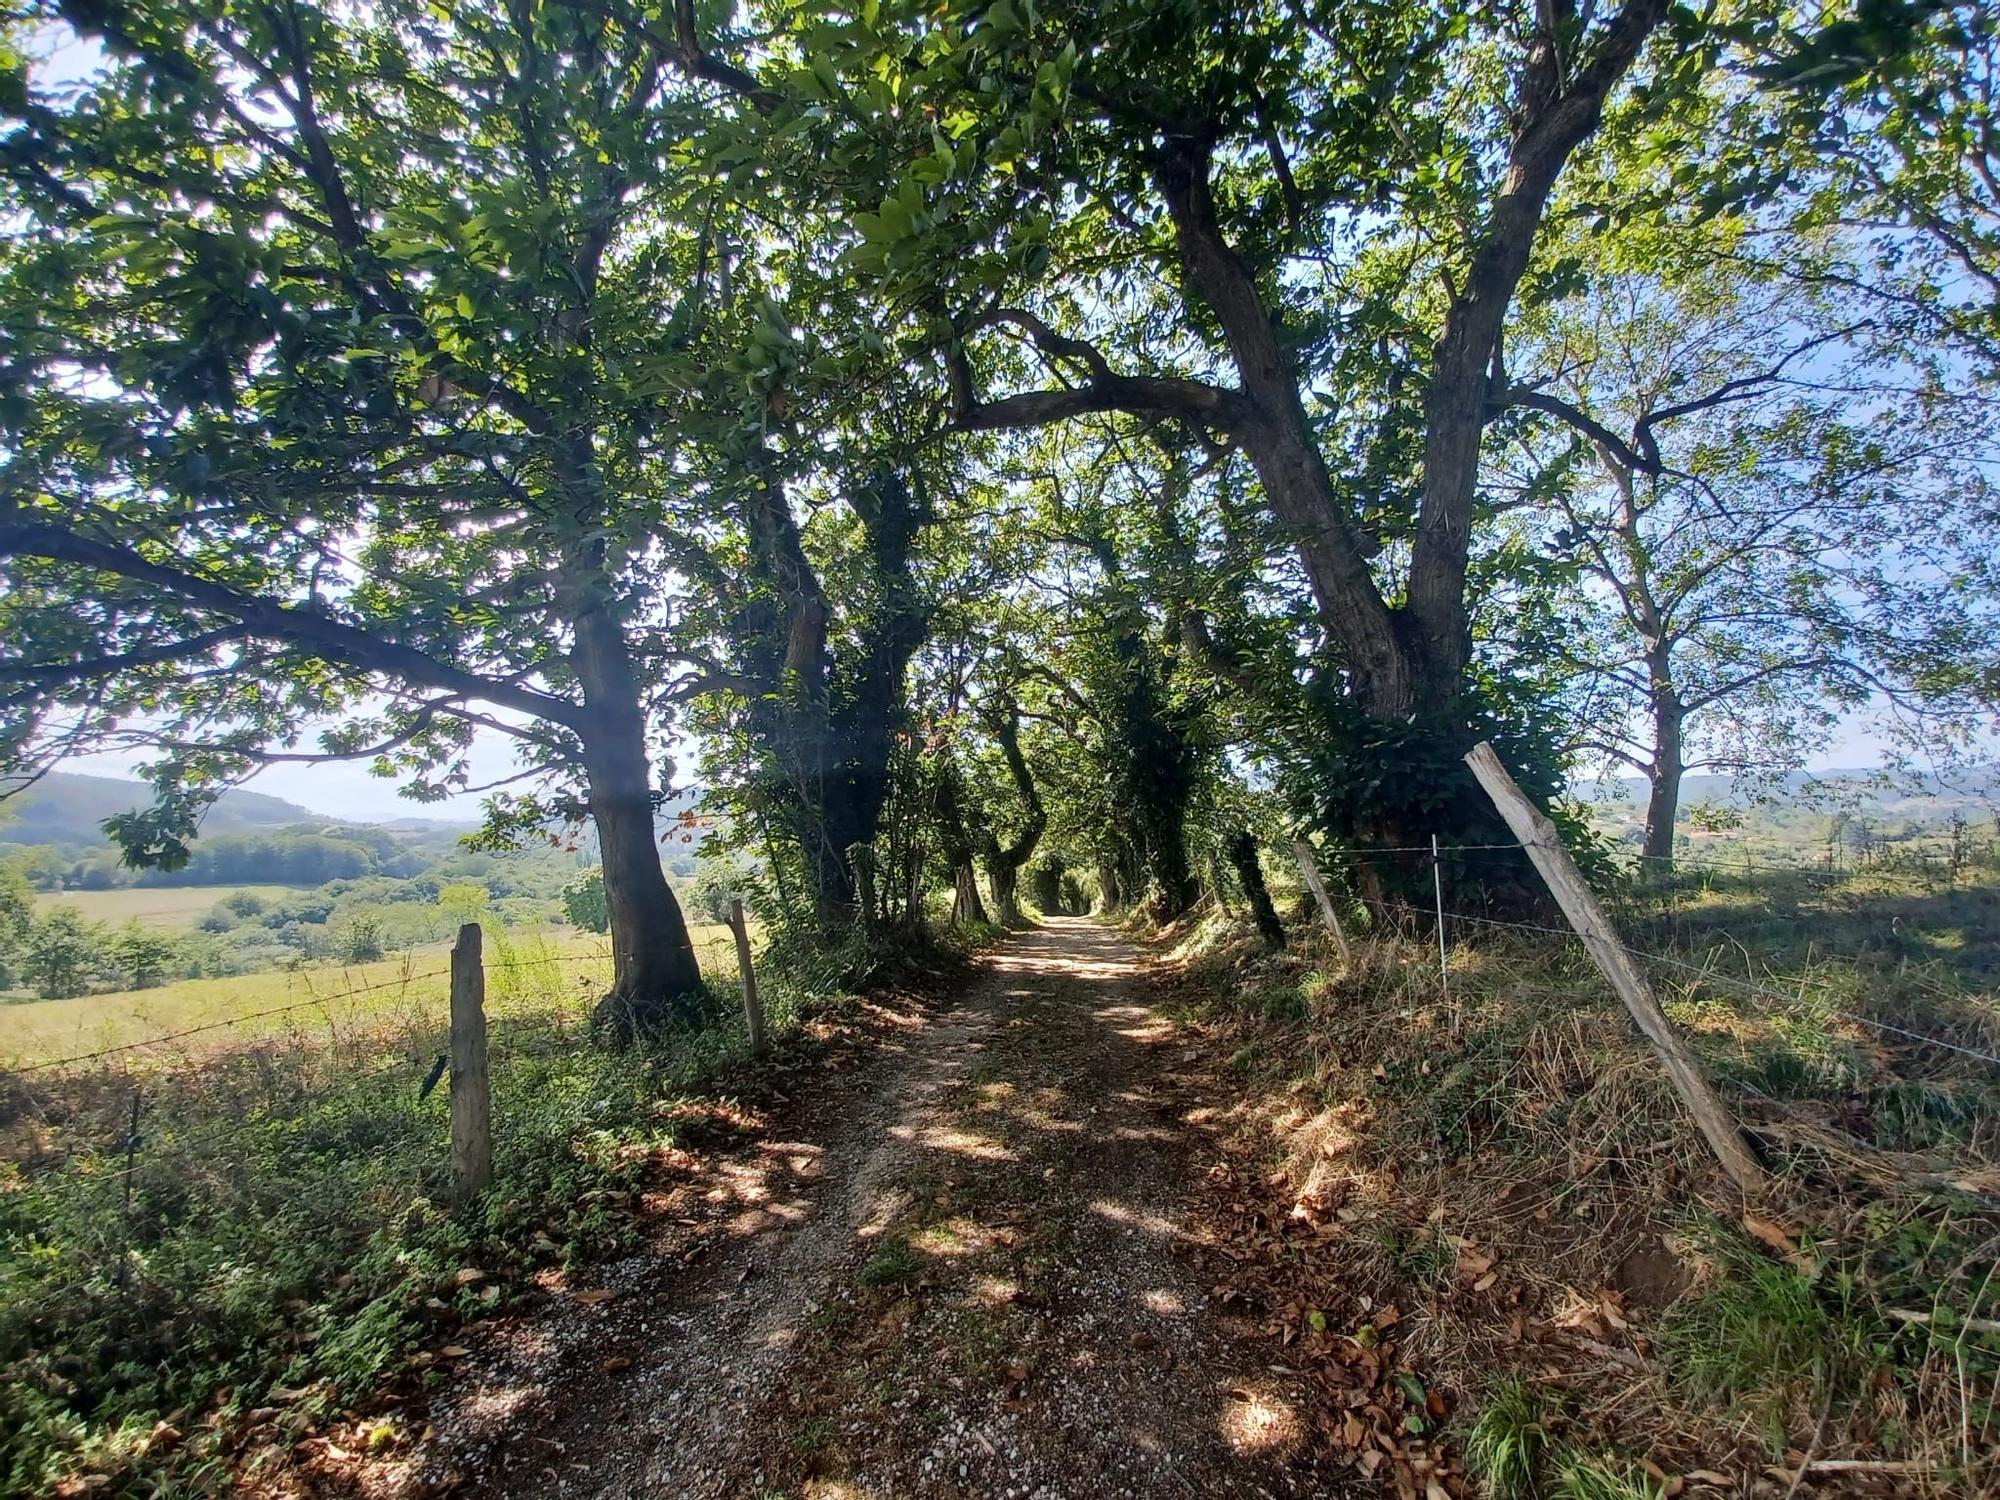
961, 464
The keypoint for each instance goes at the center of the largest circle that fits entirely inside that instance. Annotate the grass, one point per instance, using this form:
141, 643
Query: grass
175, 906
1507, 1443
1603, 1476
1520, 1116
326, 999
897, 1261
1762, 1334
284, 1218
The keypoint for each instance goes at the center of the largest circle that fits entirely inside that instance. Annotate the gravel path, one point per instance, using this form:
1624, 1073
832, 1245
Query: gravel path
961, 1273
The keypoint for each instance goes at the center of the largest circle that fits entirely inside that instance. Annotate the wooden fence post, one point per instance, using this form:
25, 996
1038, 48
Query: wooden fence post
753, 1008
471, 1095
1538, 836
1302, 851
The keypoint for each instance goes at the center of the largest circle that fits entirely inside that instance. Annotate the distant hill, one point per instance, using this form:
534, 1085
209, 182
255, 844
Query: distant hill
65, 808
68, 810
1971, 791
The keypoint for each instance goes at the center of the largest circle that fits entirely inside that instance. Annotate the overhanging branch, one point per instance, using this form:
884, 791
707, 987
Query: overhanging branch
330, 638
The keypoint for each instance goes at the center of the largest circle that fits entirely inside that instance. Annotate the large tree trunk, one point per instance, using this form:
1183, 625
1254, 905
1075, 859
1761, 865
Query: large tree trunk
1277, 437
832, 749
655, 978
1003, 877
1403, 665
1174, 887
1003, 861
1110, 891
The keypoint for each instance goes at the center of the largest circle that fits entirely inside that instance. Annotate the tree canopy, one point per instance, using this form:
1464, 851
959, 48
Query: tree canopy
987, 438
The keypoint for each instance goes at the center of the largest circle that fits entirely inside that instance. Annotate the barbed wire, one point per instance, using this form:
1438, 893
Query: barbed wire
1705, 972
258, 1015
1372, 850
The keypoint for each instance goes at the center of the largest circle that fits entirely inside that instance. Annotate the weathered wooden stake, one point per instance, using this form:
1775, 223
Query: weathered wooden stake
1302, 851
753, 1008
1538, 836
471, 1095
1437, 883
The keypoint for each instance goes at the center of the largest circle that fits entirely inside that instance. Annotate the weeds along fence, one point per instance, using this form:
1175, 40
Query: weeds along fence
288, 1179
374, 1064
1851, 1007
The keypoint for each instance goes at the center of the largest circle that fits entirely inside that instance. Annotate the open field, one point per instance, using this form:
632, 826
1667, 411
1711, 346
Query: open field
328, 997
157, 906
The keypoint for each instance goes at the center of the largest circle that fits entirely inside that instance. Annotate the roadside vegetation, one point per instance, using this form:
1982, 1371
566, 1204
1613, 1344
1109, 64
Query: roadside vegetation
914, 466
1494, 1158
279, 1244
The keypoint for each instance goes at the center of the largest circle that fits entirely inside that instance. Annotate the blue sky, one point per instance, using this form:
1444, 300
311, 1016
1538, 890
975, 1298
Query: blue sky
346, 790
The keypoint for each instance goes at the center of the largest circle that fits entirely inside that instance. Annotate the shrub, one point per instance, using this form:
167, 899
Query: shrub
584, 903
360, 940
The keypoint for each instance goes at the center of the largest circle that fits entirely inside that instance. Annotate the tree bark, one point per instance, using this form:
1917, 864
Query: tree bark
1664, 775
965, 903
829, 726
655, 977
1110, 892
1004, 861
1242, 848
1277, 437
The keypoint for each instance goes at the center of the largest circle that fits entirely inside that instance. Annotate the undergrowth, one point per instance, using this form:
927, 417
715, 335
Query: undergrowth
283, 1240
1512, 1114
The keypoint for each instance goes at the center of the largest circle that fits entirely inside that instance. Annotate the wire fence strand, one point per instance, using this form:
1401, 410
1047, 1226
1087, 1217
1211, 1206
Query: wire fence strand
310, 1003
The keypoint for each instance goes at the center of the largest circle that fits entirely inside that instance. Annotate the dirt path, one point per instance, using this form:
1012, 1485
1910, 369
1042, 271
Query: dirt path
962, 1274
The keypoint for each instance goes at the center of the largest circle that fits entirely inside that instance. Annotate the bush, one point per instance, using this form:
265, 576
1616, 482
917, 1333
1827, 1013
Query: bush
61, 953
584, 902
360, 941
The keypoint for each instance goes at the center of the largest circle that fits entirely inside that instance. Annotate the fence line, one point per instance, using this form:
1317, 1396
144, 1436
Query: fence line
401, 981
1699, 971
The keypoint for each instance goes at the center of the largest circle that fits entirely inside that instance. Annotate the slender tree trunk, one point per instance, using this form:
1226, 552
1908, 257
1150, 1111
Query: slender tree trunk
1110, 893
1663, 803
1243, 855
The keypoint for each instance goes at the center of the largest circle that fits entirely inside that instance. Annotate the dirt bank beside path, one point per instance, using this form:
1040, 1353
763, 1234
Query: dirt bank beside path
962, 1272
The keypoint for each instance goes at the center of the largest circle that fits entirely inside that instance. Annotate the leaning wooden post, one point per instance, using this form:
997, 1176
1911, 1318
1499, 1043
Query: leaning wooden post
1302, 851
1538, 836
753, 1008
471, 1095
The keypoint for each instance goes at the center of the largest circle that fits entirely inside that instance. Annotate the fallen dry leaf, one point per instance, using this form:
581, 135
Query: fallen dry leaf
466, 1275
593, 1297
1771, 1234
454, 1351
